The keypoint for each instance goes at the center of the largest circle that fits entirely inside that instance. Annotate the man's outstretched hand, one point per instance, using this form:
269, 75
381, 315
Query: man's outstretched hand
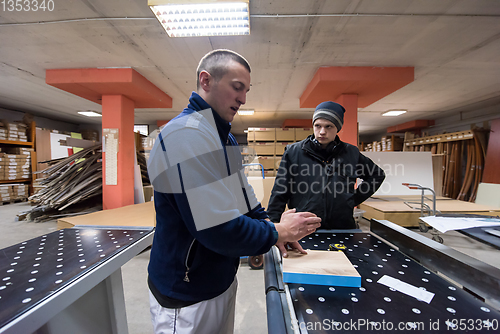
293, 227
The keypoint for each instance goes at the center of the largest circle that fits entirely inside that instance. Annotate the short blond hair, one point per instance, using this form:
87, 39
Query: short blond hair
215, 62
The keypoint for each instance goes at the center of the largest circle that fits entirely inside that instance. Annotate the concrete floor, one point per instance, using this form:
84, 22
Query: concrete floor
251, 306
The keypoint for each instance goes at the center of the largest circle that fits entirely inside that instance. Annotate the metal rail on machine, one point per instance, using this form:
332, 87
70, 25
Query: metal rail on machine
280, 312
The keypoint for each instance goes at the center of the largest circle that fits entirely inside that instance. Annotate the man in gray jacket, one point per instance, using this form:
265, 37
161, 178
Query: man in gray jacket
207, 215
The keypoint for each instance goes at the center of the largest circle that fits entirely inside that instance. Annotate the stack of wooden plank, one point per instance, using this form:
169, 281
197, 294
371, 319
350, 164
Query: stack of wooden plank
70, 184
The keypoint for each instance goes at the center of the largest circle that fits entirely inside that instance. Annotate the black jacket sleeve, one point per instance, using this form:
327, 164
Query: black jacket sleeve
372, 176
281, 190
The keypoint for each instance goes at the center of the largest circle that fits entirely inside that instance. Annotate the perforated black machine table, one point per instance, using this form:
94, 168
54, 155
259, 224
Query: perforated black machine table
305, 308
68, 279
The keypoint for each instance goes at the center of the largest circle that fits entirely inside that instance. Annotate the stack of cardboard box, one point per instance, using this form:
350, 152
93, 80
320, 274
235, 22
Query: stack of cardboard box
13, 191
269, 145
6, 192
90, 135
21, 131
20, 191
15, 166
3, 131
2, 165
13, 131
15, 161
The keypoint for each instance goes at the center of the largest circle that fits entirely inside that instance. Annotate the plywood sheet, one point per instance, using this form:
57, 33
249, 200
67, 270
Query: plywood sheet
131, 215
405, 197
42, 147
320, 267
461, 206
488, 194
262, 188
399, 213
443, 206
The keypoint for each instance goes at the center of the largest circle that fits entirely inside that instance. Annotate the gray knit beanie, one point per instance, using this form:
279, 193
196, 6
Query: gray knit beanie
330, 111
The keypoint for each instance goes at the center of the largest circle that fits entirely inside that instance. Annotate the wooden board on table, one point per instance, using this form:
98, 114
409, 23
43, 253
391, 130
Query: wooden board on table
320, 268
449, 206
403, 198
399, 213
131, 215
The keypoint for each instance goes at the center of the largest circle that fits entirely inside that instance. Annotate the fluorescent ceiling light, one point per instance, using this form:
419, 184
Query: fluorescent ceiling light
90, 113
394, 112
245, 112
205, 18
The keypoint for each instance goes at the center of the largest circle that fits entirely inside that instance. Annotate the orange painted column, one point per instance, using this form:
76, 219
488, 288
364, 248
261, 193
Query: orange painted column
349, 132
118, 113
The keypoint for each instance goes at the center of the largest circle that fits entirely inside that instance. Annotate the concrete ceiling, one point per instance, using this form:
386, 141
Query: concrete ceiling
453, 45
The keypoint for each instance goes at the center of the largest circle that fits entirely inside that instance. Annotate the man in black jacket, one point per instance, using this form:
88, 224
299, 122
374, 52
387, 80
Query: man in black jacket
318, 174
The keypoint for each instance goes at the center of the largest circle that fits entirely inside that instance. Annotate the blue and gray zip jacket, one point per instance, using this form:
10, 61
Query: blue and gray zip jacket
207, 215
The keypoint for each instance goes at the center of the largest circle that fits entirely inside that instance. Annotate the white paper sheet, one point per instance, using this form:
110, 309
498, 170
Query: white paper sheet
406, 288
443, 224
111, 158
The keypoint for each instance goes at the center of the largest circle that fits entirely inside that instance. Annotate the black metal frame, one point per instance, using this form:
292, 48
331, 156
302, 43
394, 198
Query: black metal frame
278, 314
478, 277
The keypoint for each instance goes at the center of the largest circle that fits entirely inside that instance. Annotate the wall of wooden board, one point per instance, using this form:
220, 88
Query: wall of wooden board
42, 147
437, 171
492, 161
462, 155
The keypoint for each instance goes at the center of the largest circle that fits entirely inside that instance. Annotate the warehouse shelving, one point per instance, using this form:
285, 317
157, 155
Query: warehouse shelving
269, 144
31, 134
390, 143
413, 144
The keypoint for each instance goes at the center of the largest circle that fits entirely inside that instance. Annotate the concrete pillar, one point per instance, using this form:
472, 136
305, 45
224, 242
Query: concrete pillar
118, 113
119, 90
